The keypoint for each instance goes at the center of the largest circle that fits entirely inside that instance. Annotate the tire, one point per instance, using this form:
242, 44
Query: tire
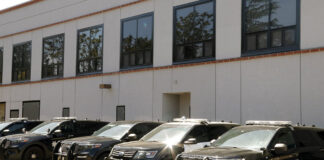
34, 153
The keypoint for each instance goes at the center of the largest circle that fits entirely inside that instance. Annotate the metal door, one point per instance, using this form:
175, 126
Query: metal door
2, 111
31, 110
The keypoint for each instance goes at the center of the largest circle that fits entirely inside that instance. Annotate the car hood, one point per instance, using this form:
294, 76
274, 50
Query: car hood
142, 145
91, 140
224, 153
29, 136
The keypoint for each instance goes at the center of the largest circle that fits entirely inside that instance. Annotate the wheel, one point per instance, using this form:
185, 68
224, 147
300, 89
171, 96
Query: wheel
34, 153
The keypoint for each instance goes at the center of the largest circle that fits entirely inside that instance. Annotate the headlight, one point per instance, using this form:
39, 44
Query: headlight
145, 154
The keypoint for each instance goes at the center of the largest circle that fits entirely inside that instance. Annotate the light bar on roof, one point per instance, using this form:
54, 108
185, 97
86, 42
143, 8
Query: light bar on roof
183, 119
18, 119
64, 118
275, 123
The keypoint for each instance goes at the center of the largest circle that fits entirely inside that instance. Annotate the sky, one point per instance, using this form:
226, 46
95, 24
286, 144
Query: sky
9, 3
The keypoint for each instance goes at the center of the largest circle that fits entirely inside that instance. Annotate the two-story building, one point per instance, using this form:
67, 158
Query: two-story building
231, 60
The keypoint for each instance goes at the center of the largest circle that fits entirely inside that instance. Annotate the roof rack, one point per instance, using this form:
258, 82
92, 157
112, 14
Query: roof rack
64, 118
272, 123
192, 120
18, 119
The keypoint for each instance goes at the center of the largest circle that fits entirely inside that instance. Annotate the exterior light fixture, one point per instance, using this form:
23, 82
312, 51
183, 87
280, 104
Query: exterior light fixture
105, 86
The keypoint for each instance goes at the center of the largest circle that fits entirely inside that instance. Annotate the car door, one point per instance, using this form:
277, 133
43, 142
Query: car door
284, 136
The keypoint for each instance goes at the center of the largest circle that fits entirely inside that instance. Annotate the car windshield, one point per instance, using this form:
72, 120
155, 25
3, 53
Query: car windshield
45, 127
247, 138
168, 133
113, 130
4, 125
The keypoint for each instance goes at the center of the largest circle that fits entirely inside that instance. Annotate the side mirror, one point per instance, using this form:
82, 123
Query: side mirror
212, 141
132, 137
280, 148
191, 141
58, 131
23, 130
6, 131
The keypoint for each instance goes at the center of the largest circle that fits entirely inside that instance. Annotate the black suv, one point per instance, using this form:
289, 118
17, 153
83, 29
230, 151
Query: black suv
17, 125
98, 146
38, 143
264, 140
167, 140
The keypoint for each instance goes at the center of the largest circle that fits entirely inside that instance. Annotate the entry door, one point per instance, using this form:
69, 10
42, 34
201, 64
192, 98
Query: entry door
31, 110
2, 111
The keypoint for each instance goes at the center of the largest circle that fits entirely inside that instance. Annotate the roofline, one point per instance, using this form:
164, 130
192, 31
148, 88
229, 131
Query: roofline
28, 3
71, 19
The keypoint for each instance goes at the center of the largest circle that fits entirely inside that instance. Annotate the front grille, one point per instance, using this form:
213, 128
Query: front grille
123, 153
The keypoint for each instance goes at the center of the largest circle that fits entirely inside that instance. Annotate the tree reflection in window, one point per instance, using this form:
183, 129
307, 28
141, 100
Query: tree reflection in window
137, 41
269, 24
90, 50
21, 62
194, 32
53, 54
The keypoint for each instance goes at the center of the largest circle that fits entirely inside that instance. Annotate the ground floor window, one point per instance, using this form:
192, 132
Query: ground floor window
120, 113
14, 113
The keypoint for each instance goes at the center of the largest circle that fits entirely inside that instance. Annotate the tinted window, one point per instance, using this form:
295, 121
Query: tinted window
215, 131
137, 41
90, 50
16, 128
270, 24
285, 137
200, 133
21, 62
141, 129
305, 138
53, 54
194, 32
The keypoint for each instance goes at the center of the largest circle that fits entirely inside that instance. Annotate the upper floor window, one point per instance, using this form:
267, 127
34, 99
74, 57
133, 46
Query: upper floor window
53, 54
194, 31
270, 26
90, 50
21, 62
137, 41
1, 64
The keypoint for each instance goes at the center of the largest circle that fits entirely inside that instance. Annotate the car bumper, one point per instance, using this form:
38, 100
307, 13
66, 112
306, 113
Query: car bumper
63, 156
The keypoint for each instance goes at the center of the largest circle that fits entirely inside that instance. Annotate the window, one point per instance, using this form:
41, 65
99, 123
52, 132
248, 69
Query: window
21, 62
53, 55
120, 113
66, 112
1, 64
14, 113
270, 26
137, 41
194, 31
90, 50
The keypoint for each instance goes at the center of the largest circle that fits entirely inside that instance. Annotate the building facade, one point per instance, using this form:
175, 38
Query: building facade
232, 60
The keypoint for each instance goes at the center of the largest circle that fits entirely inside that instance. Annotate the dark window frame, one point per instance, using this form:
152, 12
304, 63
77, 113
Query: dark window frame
1, 64
65, 108
174, 49
28, 77
13, 110
62, 63
270, 49
78, 45
137, 50
120, 106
